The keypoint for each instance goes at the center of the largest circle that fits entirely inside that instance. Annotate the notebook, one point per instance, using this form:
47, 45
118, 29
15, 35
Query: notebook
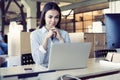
69, 56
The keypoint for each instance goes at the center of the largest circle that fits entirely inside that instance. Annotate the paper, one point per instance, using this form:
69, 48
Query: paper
109, 56
107, 63
116, 58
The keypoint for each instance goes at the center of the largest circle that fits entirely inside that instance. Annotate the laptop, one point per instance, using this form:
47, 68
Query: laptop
69, 56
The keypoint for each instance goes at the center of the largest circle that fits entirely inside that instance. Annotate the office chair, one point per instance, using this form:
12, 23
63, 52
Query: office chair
2, 60
103, 52
27, 59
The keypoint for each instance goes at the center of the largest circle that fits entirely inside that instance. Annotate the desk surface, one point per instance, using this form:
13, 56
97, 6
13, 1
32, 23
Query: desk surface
94, 68
110, 77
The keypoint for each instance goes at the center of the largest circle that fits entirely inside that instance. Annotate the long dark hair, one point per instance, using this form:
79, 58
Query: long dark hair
49, 6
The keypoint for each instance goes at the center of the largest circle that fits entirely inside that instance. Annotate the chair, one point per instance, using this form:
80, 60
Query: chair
76, 37
2, 60
27, 59
103, 52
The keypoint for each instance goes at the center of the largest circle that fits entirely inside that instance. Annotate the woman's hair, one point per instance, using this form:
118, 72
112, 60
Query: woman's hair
49, 6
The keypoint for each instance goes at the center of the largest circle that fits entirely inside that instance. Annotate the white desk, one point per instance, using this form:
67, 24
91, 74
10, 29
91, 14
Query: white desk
110, 77
94, 69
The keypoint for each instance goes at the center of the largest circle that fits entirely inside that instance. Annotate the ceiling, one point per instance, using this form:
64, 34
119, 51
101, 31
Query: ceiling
14, 8
14, 11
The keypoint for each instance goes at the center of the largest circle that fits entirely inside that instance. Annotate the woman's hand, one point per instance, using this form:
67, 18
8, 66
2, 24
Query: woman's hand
50, 34
53, 32
56, 34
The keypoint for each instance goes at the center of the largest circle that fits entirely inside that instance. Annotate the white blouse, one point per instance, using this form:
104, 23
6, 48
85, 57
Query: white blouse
39, 54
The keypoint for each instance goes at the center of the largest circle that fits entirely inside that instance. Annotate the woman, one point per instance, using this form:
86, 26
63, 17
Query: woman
48, 33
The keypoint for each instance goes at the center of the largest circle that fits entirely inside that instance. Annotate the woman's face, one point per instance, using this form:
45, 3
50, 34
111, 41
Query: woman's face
51, 18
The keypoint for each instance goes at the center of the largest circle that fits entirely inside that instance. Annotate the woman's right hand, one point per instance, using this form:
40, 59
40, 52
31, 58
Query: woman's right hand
45, 42
51, 33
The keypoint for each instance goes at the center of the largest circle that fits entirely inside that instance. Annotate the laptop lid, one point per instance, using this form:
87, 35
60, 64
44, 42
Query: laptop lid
69, 55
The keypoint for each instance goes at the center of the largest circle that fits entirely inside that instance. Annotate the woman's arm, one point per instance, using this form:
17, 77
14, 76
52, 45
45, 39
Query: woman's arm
38, 51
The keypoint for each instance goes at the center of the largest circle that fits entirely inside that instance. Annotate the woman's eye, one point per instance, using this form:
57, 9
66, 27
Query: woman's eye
57, 17
50, 16
53, 17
